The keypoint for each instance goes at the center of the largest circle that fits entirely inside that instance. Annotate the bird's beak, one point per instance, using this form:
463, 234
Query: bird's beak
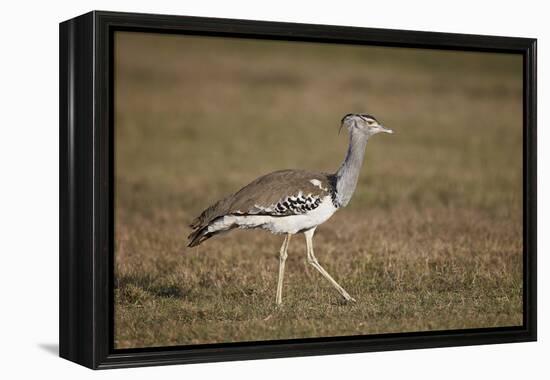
340, 129
385, 130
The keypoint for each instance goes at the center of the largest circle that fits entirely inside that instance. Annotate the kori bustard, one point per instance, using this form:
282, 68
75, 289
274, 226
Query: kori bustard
292, 201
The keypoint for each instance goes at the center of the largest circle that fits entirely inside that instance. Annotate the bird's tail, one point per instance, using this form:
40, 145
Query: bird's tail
198, 236
204, 231
200, 224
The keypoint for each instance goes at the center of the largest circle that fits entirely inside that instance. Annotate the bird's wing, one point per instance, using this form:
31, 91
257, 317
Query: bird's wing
281, 193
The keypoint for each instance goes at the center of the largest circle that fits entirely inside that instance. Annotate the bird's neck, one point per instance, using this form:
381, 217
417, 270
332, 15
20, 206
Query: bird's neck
348, 173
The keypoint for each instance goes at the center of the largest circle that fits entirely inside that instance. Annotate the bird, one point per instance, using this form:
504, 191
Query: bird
292, 201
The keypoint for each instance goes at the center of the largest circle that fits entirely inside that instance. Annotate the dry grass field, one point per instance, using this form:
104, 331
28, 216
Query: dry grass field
431, 240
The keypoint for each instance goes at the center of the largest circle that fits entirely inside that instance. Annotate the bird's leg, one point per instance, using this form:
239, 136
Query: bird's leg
313, 261
282, 258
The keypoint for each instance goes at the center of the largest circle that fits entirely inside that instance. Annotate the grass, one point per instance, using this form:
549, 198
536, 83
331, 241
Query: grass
431, 240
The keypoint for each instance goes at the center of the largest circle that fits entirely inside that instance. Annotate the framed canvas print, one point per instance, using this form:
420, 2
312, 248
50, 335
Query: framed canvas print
236, 189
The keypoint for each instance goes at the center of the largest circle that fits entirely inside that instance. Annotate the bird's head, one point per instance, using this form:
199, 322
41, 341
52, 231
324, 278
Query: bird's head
363, 124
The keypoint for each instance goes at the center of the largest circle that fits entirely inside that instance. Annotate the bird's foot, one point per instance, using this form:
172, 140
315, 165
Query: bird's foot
349, 298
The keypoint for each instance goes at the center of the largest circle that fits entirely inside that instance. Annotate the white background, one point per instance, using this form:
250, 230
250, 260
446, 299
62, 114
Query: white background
29, 188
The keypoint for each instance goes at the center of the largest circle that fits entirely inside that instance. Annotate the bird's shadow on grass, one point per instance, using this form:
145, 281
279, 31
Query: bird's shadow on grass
51, 348
149, 285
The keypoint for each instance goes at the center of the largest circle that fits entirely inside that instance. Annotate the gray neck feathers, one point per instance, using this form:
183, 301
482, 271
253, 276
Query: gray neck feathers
348, 173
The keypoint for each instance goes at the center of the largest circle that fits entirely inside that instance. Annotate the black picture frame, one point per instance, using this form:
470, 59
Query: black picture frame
86, 189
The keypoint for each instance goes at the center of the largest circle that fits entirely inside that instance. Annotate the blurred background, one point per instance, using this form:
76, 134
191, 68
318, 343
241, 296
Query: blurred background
431, 240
